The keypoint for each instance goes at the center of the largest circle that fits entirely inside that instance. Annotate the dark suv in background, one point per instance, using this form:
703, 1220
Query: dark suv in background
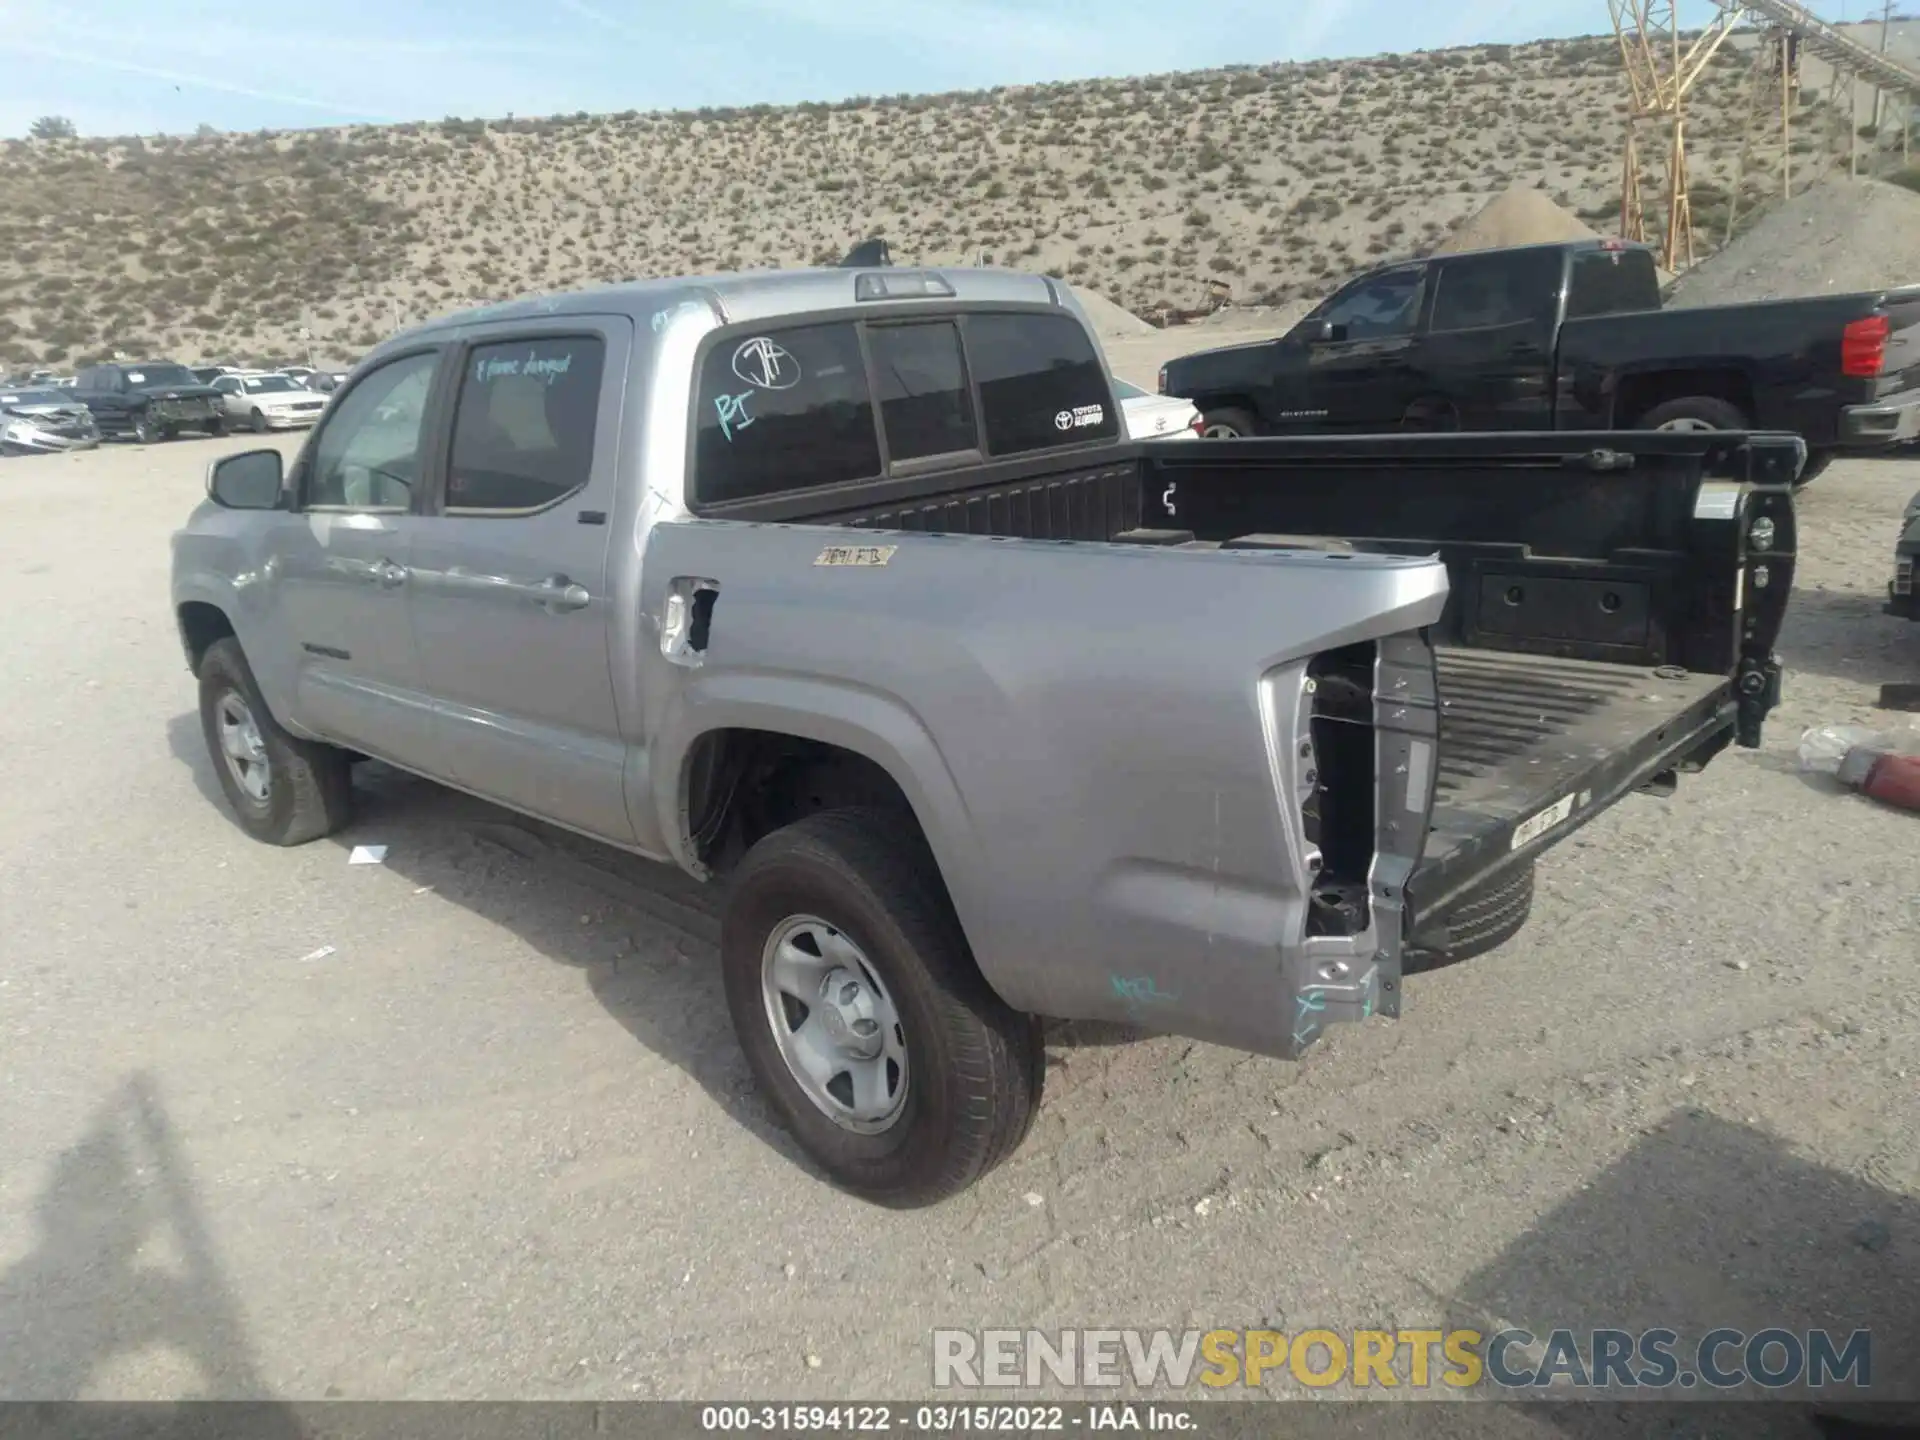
149, 402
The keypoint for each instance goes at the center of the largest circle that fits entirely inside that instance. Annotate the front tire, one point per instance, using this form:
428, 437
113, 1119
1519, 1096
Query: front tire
862, 1014
1229, 422
259, 421
216, 427
147, 430
282, 790
1695, 412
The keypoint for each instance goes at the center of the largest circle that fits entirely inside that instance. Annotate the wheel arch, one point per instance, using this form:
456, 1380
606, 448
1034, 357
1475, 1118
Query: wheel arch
1639, 392
202, 623
854, 746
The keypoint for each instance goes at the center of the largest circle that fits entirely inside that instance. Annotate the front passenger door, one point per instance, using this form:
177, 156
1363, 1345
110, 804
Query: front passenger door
341, 565
1363, 375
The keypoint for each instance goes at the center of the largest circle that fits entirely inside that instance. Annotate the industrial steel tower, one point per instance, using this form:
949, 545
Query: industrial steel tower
1661, 71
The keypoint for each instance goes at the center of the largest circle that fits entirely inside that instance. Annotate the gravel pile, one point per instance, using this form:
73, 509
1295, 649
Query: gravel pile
1110, 321
1523, 215
1835, 238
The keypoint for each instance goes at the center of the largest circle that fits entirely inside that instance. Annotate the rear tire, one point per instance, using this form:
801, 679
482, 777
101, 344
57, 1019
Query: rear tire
1695, 412
858, 891
1229, 422
1484, 921
216, 427
282, 790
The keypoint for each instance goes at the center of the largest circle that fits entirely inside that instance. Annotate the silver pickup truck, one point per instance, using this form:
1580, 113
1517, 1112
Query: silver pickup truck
844, 589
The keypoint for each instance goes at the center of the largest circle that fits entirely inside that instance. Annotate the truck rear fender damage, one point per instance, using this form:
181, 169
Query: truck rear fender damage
1367, 726
1133, 852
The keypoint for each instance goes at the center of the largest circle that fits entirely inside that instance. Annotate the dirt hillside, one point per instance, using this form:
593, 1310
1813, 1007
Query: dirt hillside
1833, 238
1275, 180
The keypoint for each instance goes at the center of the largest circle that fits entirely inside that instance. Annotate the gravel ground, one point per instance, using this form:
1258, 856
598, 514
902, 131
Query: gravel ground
472, 1124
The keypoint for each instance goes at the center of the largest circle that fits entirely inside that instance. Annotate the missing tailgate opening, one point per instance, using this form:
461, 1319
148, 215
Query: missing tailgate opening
1339, 811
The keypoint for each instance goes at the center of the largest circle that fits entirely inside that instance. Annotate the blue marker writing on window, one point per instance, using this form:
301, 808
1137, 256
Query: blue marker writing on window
732, 410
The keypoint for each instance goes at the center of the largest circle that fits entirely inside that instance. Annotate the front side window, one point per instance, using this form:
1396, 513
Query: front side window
1041, 383
524, 423
783, 410
1377, 307
920, 381
367, 454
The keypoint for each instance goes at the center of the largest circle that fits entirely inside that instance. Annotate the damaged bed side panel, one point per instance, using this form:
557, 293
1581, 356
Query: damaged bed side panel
1113, 764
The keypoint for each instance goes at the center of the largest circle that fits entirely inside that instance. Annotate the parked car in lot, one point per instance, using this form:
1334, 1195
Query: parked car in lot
149, 402
326, 381
44, 421
1903, 596
1156, 417
268, 402
796, 581
1568, 337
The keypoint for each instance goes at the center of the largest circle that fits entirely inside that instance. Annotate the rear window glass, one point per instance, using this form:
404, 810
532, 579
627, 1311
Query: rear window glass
783, 410
921, 383
1612, 282
523, 430
1041, 384
1486, 291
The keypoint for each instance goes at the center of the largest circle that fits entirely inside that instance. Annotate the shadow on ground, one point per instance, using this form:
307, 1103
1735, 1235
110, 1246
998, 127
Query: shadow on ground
122, 1266
650, 953
1707, 1224
1844, 635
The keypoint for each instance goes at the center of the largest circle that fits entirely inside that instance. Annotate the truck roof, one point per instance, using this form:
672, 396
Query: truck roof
1595, 242
776, 294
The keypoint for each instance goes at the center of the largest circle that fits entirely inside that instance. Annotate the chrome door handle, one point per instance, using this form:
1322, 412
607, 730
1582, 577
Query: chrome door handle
559, 595
388, 575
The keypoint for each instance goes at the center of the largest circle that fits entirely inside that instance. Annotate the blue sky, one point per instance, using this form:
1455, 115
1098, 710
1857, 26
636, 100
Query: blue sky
145, 66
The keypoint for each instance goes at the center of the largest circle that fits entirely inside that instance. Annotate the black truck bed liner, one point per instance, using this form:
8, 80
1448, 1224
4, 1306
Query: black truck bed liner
1523, 737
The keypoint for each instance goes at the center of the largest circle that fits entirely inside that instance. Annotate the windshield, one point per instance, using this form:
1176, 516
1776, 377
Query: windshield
259, 383
34, 397
148, 377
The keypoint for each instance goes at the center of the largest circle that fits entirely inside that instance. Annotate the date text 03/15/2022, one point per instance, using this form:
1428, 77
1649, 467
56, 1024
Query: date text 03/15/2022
947, 1419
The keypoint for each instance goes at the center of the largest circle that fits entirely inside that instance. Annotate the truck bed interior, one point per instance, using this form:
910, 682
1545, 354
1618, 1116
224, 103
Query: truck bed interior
1590, 642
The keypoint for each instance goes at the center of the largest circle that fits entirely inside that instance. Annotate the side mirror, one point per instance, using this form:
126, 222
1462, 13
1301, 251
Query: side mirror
1325, 332
251, 480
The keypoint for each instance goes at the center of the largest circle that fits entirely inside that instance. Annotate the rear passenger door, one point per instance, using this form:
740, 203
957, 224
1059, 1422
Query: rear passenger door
1489, 346
510, 600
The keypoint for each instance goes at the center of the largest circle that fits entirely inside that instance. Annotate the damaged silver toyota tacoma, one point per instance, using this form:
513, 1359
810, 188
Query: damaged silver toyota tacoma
844, 590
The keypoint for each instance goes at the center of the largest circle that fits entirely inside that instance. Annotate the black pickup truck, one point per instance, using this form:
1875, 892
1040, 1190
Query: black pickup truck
1568, 337
149, 402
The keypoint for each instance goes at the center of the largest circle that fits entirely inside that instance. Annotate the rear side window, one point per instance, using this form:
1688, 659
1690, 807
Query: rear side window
1492, 290
783, 410
920, 381
523, 429
1041, 384
1612, 282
